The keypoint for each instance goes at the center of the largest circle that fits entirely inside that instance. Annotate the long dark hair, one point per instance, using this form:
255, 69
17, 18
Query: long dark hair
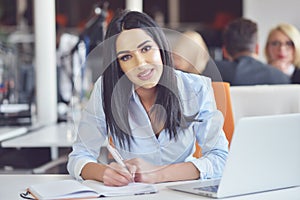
117, 88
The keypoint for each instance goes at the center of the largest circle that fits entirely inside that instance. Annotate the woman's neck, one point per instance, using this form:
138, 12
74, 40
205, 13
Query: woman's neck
147, 97
157, 114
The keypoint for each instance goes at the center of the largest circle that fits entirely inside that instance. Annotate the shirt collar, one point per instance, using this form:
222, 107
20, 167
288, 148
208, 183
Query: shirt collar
290, 70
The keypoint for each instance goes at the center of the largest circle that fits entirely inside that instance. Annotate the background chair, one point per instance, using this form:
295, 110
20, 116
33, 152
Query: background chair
223, 101
264, 100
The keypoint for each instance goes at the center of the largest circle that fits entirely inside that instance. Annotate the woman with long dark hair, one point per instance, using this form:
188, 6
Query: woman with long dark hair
152, 113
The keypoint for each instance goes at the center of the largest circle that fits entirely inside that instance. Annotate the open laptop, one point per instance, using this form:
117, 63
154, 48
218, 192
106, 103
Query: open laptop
264, 155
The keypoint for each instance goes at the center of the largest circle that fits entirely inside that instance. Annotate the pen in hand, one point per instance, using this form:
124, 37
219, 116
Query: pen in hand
118, 158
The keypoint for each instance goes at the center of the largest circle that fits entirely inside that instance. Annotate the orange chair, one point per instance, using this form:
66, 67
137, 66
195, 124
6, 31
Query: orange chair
223, 101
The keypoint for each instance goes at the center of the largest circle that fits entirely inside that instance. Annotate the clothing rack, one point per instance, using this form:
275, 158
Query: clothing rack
91, 36
94, 27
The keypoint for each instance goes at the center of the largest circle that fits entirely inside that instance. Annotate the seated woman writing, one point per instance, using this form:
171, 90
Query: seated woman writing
153, 113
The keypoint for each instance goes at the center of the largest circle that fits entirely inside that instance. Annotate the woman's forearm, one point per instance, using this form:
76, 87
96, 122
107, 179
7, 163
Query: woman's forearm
93, 171
178, 172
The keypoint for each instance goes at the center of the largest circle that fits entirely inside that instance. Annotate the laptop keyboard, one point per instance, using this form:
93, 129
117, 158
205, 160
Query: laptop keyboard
213, 188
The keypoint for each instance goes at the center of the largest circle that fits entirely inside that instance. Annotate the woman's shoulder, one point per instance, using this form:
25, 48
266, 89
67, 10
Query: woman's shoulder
98, 83
97, 87
191, 81
193, 91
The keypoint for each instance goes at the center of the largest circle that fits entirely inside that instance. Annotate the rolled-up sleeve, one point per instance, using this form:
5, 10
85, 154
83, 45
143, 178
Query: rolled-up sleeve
209, 134
91, 134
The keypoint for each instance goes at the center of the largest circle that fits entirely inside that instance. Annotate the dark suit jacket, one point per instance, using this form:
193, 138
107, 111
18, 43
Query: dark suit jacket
246, 70
296, 76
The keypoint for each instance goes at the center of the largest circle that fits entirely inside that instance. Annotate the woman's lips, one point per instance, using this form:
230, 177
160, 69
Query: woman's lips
146, 75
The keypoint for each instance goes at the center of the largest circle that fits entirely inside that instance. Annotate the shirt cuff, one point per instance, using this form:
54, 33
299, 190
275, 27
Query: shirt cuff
204, 168
78, 167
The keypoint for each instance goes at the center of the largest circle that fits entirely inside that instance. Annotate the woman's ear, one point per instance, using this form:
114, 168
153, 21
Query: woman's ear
226, 55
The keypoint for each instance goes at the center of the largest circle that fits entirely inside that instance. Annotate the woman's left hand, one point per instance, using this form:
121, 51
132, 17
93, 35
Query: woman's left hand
145, 172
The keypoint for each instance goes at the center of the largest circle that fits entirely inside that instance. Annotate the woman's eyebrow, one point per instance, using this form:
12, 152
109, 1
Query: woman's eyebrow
140, 45
121, 52
143, 43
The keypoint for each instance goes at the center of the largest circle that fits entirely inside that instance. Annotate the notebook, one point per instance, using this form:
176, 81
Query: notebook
263, 156
72, 189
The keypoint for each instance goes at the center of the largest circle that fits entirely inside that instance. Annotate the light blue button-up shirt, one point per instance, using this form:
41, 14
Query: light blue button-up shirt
196, 95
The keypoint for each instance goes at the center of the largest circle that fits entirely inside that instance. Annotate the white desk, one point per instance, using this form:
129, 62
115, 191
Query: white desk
53, 136
11, 132
13, 185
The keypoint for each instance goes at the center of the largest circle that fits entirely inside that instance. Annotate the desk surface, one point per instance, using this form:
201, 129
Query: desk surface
56, 135
8, 132
13, 185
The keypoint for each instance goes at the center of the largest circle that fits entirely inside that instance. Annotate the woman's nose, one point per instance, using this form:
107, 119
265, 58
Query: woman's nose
139, 59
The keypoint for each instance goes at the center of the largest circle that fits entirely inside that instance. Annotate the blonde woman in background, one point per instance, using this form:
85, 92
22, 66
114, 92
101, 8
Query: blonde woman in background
190, 53
282, 50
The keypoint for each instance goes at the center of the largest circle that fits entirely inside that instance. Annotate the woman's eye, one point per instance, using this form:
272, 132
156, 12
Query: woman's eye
146, 48
125, 57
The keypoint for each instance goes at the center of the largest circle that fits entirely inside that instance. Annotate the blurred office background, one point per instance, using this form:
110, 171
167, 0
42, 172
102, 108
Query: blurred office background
17, 28
22, 31
42, 86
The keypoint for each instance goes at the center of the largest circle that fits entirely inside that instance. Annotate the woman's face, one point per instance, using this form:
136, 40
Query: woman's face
139, 58
280, 48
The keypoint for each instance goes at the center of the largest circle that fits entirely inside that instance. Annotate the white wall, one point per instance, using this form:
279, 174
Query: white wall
268, 13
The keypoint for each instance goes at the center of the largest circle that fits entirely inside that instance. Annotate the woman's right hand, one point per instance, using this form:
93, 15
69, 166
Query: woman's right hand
116, 175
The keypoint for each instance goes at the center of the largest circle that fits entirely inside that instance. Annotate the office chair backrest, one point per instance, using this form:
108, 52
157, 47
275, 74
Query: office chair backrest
224, 104
223, 101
